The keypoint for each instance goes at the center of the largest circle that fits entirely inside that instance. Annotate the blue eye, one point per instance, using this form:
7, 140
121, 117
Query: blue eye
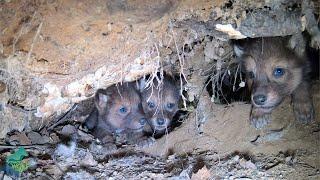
170, 105
151, 105
278, 72
123, 110
142, 121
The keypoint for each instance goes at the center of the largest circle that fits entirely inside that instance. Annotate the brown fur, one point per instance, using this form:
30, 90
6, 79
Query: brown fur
107, 119
162, 95
261, 57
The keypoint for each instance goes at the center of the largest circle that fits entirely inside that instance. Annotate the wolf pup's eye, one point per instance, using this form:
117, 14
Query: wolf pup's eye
170, 105
123, 110
278, 72
251, 74
151, 105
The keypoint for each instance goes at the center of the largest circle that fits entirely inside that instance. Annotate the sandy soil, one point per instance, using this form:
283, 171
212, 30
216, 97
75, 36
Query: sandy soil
228, 130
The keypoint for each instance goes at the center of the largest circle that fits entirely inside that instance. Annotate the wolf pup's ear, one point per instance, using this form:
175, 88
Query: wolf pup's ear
101, 100
141, 85
297, 44
169, 77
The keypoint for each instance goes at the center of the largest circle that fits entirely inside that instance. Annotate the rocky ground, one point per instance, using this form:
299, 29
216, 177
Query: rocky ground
228, 148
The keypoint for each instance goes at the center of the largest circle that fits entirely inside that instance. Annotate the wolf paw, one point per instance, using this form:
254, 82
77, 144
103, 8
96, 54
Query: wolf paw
303, 112
259, 120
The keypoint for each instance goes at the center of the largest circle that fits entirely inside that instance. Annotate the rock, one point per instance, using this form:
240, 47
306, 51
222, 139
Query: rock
202, 174
65, 151
236, 158
78, 175
36, 138
101, 151
247, 164
87, 160
68, 130
54, 138
288, 159
250, 165
10, 119
19, 139
85, 137
54, 171
7, 177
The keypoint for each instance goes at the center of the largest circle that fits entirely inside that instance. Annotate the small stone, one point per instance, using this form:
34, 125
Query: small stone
242, 84
294, 160
236, 158
39, 169
247, 164
54, 139
242, 163
65, 151
78, 175
68, 130
85, 137
32, 163
221, 51
20, 138
203, 173
53, 170
250, 165
288, 159
45, 132
88, 160
36, 138
7, 177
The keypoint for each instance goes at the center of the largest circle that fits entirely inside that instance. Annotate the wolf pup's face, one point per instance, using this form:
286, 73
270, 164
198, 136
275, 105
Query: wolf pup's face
273, 71
160, 103
120, 108
276, 67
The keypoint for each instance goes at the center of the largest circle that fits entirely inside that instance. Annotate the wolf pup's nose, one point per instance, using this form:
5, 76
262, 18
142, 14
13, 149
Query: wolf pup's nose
160, 121
259, 99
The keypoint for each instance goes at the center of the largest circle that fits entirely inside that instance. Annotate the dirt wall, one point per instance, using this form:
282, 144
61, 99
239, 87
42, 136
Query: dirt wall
55, 54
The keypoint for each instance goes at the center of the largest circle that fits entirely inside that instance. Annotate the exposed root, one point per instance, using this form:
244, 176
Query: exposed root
181, 63
34, 41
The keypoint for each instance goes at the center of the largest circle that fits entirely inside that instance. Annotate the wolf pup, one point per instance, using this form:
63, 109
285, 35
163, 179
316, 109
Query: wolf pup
118, 110
160, 102
274, 70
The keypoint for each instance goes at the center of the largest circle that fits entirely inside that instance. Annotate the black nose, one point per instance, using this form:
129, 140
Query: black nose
160, 121
260, 99
142, 121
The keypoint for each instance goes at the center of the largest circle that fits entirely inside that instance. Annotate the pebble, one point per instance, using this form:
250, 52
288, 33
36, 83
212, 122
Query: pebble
236, 158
